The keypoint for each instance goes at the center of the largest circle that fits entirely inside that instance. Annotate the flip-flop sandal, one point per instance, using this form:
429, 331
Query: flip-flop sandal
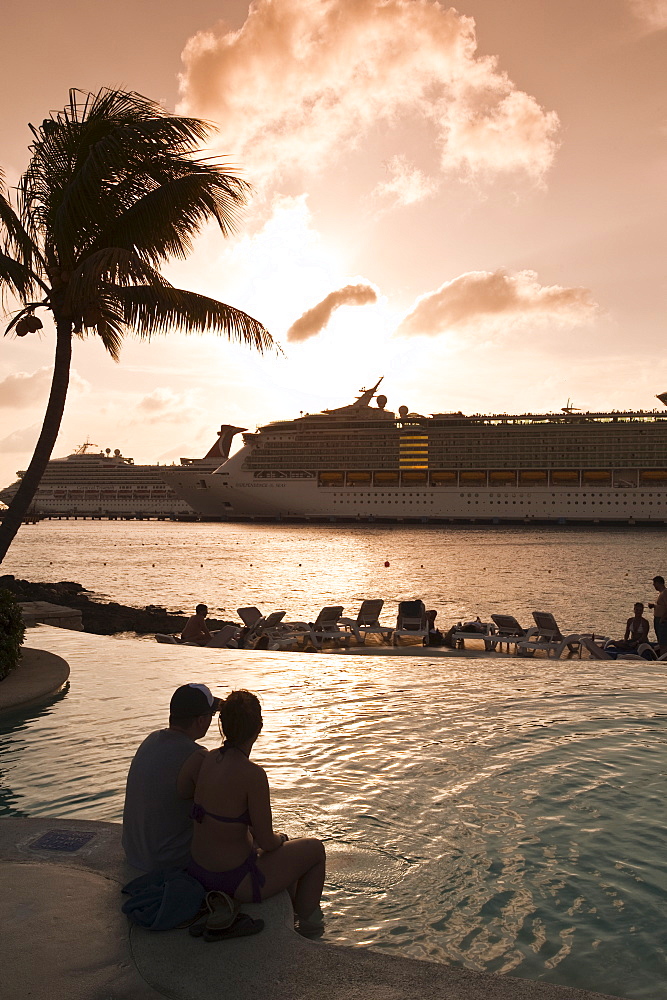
219, 911
242, 926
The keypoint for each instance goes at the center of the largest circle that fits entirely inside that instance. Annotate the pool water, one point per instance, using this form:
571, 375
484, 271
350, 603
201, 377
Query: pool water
504, 815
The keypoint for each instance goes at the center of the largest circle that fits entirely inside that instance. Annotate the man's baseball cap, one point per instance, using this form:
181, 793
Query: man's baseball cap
191, 700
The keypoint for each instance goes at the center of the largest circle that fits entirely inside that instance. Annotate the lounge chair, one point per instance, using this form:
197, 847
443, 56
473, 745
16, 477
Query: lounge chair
604, 652
265, 630
366, 622
249, 615
647, 652
483, 631
411, 621
548, 637
325, 628
508, 631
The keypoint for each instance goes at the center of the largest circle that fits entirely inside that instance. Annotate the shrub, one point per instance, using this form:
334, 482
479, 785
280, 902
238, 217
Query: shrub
12, 632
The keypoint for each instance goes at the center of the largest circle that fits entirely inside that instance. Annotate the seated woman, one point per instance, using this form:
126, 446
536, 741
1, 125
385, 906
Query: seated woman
232, 813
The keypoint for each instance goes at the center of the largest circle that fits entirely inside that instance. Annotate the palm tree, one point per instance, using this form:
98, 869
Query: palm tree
113, 189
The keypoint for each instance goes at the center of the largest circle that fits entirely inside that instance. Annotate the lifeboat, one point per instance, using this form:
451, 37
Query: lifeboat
502, 476
654, 475
473, 477
532, 476
413, 477
596, 476
358, 477
331, 478
565, 477
443, 478
381, 478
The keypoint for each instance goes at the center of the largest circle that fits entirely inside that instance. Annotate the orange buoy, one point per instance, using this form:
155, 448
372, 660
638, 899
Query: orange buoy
386, 564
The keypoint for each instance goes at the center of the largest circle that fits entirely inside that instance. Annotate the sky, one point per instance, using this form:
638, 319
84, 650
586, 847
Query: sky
468, 201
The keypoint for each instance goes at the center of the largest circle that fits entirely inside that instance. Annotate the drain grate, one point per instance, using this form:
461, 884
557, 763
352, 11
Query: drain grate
61, 840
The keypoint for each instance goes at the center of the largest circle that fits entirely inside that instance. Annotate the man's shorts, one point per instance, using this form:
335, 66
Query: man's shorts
661, 632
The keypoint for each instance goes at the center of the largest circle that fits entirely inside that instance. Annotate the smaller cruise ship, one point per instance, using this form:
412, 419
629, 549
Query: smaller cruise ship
106, 484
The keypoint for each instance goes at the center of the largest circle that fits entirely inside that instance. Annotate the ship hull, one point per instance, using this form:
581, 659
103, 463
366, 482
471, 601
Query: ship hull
303, 499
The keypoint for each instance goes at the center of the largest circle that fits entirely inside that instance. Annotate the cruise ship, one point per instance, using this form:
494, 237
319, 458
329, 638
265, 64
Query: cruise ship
106, 484
364, 462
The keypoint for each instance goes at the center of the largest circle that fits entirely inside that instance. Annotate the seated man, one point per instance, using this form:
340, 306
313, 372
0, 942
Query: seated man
157, 828
196, 629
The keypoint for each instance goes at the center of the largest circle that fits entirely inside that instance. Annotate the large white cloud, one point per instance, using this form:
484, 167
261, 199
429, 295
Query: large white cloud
302, 81
25, 389
484, 298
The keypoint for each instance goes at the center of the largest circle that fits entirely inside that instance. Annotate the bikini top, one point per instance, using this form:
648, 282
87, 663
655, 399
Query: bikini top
198, 812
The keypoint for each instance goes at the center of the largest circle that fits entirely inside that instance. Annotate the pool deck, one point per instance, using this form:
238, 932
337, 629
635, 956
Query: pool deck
39, 677
65, 937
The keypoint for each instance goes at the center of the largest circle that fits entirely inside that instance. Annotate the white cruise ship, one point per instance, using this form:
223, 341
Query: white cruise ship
363, 462
102, 484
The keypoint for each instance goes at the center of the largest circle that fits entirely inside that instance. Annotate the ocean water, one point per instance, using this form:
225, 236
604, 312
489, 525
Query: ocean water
506, 815
589, 578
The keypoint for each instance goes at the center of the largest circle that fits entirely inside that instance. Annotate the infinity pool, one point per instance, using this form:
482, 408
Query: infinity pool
503, 815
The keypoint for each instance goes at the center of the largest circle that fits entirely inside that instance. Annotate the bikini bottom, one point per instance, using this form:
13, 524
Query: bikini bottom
230, 880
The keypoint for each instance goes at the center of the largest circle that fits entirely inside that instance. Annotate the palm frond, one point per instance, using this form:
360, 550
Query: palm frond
164, 221
110, 265
16, 278
149, 310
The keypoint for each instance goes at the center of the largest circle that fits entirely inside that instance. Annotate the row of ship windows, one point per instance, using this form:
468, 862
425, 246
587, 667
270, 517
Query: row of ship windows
514, 503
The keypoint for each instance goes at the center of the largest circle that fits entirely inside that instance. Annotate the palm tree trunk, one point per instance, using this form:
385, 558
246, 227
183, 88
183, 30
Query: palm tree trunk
24, 496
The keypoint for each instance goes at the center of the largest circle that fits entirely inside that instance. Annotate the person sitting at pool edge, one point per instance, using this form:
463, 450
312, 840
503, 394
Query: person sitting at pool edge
157, 827
232, 813
196, 629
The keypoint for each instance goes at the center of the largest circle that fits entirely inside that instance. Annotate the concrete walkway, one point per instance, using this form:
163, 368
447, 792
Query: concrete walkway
39, 677
64, 937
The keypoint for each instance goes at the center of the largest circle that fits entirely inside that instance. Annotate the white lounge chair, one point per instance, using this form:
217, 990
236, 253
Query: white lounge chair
325, 628
266, 630
508, 631
547, 636
647, 652
249, 615
411, 621
366, 622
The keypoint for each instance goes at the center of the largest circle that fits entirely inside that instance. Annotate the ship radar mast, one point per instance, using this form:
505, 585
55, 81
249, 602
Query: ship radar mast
83, 448
366, 395
569, 408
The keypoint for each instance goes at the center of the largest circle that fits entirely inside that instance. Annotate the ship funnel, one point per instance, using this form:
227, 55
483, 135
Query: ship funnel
662, 396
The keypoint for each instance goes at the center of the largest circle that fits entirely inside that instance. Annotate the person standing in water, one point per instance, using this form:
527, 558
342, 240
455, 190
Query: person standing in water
660, 613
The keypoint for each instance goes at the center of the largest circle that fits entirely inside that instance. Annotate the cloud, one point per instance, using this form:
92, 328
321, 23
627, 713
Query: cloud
21, 440
485, 297
407, 184
304, 81
23, 389
315, 319
163, 404
653, 13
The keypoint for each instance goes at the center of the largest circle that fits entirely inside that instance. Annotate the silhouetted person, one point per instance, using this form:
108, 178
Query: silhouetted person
660, 613
157, 826
196, 629
235, 848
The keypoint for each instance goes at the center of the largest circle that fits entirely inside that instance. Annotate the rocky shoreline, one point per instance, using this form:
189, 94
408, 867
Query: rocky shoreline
102, 617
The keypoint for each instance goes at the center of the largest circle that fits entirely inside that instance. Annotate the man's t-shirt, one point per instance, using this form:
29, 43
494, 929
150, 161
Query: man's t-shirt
157, 828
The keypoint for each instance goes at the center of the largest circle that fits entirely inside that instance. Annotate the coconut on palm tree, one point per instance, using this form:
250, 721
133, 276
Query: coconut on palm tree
112, 191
